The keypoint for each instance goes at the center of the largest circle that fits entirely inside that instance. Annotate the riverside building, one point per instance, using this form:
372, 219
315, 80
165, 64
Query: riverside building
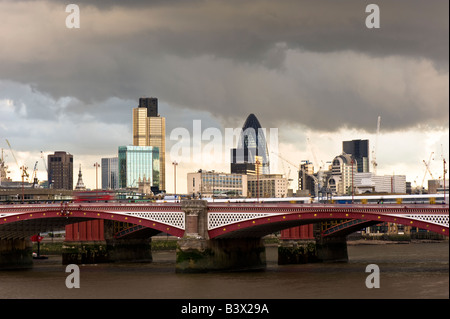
149, 129
216, 184
138, 163
60, 170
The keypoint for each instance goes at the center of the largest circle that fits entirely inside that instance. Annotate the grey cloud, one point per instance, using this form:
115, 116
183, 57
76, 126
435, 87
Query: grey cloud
232, 58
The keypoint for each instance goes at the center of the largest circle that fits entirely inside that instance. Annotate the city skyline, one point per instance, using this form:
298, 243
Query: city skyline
317, 75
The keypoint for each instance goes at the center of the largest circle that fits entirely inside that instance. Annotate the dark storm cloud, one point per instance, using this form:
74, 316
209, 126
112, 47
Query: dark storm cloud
308, 62
247, 29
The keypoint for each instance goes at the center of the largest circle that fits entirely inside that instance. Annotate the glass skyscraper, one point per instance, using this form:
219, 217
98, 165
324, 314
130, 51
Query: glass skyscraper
110, 173
138, 163
252, 153
149, 129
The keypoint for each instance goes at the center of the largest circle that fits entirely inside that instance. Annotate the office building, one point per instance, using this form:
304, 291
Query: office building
343, 170
149, 129
394, 184
251, 151
136, 164
370, 183
359, 149
60, 171
305, 177
437, 186
267, 185
215, 184
110, 173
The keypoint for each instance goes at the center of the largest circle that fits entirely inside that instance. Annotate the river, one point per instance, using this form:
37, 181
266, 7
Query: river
413, 270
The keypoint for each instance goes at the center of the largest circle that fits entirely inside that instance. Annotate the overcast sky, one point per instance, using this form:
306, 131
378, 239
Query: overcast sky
312, 69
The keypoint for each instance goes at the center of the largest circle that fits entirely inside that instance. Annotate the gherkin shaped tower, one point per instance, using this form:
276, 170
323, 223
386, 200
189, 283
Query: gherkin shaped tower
251, 156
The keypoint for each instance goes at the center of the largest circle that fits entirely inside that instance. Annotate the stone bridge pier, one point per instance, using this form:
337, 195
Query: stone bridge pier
16, 253
196, 252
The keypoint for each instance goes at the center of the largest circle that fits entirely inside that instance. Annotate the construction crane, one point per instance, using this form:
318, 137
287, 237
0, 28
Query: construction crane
43, 159
445, 170
427, 165
290, 163
316, 180
33, 178
427, 170
313, 153
374, 151
23, 168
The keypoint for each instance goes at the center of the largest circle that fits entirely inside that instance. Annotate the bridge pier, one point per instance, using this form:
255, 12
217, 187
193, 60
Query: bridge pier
84, 248
196, 252
16, 254
200, 255
320, 249
332, 249
297, 252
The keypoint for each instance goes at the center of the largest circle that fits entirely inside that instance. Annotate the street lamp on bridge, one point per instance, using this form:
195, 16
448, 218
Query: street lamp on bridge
174, 163
96, 165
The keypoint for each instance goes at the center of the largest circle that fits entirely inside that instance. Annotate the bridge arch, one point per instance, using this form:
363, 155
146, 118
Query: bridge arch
269, 221
22, 225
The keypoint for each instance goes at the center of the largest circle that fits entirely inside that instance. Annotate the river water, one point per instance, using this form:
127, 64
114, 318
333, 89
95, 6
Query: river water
413, 270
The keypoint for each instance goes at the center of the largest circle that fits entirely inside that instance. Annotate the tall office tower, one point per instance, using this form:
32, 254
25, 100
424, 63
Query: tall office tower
110, 173
359, 149
149, 129
138, 164
305, 179
60, 171
251, 151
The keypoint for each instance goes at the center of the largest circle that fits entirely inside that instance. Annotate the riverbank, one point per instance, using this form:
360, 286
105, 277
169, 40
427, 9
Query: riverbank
388, 242
53, 246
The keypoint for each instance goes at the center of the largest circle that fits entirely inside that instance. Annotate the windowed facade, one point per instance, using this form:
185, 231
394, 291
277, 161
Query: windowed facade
138, 163
210, 183
110, 173
60, 171
252, 149
149, 129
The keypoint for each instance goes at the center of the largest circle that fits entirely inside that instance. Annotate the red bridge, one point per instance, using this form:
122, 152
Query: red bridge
216, 222
223, 220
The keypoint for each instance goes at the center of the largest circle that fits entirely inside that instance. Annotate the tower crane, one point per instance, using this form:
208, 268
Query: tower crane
43, 159
33, 178
445, 170
374, 151
316, 180
427, 170
23, 168
290, 163
427, 165
313, 153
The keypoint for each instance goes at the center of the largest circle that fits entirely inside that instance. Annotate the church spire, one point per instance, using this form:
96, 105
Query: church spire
80, 184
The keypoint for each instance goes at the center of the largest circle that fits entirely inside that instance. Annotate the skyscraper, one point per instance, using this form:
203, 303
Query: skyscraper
138, 163
60, 171
110, 173
149, 129
252, 154
359, 149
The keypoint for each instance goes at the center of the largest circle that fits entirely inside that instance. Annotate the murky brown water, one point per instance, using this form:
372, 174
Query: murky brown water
406, 271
